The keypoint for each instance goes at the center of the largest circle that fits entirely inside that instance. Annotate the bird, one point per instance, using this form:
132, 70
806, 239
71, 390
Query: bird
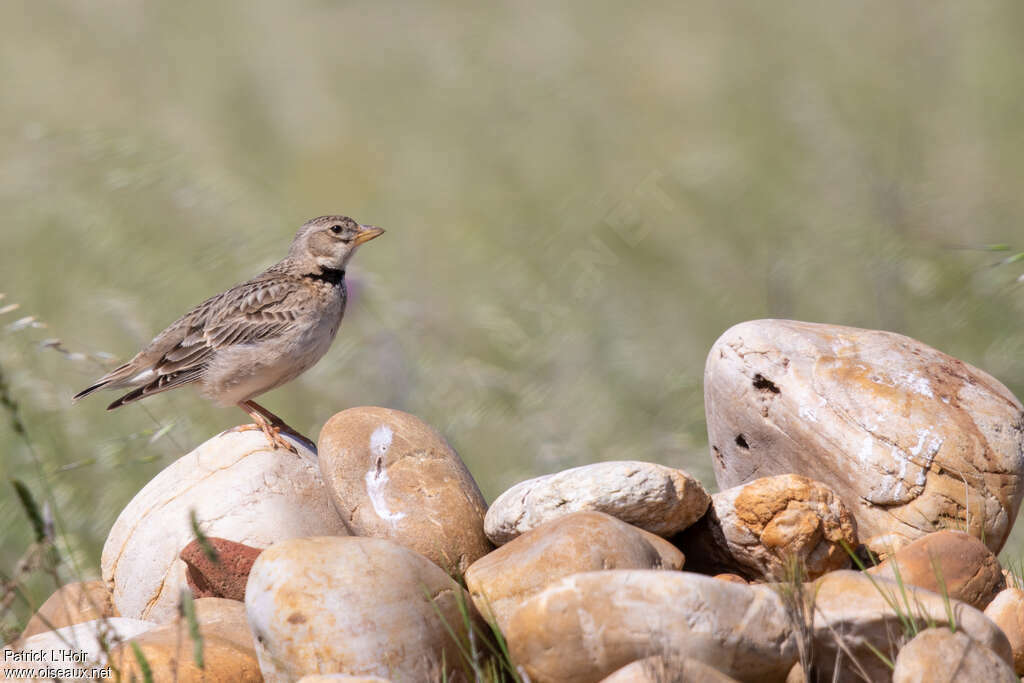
255, 336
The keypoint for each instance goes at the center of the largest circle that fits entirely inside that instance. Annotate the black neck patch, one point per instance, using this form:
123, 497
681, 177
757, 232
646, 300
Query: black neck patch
330, 275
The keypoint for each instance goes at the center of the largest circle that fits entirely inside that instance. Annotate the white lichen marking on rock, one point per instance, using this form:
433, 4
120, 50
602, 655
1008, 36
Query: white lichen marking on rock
377, 476
867, 450
916, 383
807, 413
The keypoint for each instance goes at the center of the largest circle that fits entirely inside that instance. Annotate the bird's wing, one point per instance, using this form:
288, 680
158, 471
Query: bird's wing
253, 311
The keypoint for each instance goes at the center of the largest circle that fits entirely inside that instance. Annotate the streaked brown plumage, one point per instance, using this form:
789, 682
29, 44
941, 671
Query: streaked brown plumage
257, 335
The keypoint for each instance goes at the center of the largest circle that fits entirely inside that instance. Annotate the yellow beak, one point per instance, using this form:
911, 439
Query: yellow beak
367, 233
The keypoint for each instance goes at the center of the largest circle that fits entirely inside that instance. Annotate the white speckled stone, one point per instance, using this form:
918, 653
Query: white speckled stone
662, 500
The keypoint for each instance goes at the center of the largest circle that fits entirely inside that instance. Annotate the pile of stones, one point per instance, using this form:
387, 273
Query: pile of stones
866, 482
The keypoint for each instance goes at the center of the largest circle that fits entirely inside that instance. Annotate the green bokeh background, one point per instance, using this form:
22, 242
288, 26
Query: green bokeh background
579, 196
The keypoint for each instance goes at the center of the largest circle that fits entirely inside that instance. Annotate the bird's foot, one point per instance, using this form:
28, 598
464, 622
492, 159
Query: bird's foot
273, 434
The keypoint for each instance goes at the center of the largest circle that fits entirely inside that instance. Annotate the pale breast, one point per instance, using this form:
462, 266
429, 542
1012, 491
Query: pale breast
244, 371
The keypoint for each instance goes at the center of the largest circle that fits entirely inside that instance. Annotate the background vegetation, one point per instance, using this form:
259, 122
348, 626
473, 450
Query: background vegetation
579, 196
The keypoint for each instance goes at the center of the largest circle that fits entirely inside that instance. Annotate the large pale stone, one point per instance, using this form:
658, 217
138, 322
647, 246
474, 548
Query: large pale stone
960, 563
869, 613
72, 603
659, 499
938, 655
758, 529
585, 626
393, 476
583, 541
240, 490
915, 440
228, 652
1007, 612
365, 606
668, 670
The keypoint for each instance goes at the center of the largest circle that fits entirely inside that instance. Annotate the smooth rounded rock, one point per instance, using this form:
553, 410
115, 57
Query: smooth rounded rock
239, 488
950, 560
393, 476
72, 603
662, 500
758, 529
731, 578
341, 678
915, 440
1007, 612
583, 541
938, 655
668, 670
870, 613
585, 626
227, 647
365, 606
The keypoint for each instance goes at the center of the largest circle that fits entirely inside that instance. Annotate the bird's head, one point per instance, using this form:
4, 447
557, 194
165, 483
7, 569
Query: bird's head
328, 242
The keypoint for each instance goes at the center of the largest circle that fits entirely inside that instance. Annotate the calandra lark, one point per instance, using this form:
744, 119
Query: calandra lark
257, 335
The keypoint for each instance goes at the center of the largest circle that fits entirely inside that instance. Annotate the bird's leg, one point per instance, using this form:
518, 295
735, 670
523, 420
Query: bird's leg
274, 423
271, 430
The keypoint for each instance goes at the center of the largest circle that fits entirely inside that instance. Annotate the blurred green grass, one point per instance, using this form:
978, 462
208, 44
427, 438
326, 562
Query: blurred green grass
579, 197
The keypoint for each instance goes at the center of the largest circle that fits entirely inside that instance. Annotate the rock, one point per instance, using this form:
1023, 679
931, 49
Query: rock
582, 541
1007, 612
939, 655
341, 678
393, 476
365, 606
239, 489
72, 603
587, 625
224, 577
970, 571
732, 578
664, 670
659, 499
919, 440
852, 603
227, 647
85, 640
756, 529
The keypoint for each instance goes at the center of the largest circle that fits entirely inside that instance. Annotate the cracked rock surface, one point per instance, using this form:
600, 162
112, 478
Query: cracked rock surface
391, 475
756, 529
239, 488
662, 500
365, 606
912, 439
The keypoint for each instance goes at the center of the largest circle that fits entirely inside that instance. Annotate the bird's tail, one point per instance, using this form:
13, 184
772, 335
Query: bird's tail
117, 377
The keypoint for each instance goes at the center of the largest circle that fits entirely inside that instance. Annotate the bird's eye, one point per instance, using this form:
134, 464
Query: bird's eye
336, 229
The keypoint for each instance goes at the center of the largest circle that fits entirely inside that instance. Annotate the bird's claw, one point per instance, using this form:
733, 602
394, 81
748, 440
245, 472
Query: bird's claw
272, 432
